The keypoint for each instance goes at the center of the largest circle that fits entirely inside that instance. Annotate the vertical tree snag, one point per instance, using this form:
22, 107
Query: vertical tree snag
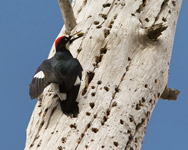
125, 54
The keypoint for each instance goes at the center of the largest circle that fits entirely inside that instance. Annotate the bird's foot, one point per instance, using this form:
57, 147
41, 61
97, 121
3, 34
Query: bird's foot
69, 110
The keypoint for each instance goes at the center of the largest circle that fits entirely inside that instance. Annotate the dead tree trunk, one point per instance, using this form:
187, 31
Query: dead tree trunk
125, 54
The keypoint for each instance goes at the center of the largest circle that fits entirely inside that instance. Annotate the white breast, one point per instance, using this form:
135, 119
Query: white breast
55, 87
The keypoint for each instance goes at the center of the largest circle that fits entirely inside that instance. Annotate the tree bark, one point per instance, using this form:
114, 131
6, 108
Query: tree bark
68, 15
125, 54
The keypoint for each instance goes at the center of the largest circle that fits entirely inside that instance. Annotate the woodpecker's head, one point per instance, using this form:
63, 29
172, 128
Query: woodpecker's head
63, 42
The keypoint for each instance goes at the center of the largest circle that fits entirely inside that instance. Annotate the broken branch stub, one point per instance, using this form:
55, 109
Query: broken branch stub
155, 31
170, 94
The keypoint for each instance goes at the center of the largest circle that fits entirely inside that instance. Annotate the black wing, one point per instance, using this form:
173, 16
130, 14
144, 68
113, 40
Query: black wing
39, 81
69, 72
72, 74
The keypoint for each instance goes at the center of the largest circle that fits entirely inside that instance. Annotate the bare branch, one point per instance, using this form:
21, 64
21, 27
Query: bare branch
170, 94
68, 15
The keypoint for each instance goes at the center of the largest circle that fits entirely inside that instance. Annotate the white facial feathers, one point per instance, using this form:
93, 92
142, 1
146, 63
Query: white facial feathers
39, 75
68, 46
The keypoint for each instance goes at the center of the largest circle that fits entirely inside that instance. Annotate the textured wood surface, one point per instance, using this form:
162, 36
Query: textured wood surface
125, 73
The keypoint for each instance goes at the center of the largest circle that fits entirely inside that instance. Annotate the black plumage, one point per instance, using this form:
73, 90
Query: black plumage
64, 72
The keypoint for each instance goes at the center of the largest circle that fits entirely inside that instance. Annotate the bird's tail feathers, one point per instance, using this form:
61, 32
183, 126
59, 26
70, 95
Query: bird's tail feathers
70, 106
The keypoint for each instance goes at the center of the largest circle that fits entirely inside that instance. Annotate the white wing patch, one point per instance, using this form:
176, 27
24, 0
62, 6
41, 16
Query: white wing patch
77, 82
39, 75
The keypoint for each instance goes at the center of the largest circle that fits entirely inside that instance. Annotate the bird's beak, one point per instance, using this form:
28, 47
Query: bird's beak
79, 35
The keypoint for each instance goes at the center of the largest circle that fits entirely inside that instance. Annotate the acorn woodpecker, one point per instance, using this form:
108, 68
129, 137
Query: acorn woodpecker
63, 72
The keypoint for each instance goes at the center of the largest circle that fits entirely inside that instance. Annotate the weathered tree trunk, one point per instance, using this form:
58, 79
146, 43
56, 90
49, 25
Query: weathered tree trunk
125, 54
